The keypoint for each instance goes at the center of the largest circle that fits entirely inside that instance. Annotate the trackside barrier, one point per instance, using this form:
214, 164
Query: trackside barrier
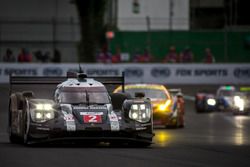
139, 73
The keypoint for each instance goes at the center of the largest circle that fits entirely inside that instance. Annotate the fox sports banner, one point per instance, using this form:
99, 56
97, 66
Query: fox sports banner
140, 73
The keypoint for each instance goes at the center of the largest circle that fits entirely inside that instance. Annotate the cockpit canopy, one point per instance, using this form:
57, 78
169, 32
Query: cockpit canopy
82, 95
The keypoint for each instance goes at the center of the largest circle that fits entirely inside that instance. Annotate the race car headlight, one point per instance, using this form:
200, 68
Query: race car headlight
46, 107
211, 102
42, 112
140, 112
239, 102
39, 115
42, 116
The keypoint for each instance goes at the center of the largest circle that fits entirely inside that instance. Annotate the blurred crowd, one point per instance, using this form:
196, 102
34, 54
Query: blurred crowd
105, 56
172, 56
25, 56
187, 56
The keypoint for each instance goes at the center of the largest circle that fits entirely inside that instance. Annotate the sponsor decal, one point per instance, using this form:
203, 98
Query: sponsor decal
114, 122
102, 72
52, 71
68, 117
69, 121
20, 71
80, 107
90, 107
211, 72
183, 72
159, 72
133, 72
92, 118
242, 73
97, 107
91, 113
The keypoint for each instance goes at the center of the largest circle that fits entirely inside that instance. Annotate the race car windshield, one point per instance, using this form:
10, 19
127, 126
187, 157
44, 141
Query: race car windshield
84, 97
149, 93
73, 97
98, 98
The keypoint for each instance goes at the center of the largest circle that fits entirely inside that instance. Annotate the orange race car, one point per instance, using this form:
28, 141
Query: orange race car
168, 107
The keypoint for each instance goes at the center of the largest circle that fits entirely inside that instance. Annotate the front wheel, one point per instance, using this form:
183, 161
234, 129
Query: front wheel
12, 137
26, 137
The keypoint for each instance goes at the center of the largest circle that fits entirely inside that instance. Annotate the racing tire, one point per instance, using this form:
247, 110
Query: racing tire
26, 136
20, 106
12, 137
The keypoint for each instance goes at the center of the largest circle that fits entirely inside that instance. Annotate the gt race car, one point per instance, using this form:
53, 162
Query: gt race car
225, 98
241, 101
76, 108
165, 109
205, 102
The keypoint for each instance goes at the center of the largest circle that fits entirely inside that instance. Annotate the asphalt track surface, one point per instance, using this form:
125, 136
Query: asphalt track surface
210, 139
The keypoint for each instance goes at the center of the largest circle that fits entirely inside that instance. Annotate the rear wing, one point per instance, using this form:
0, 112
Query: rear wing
33, 80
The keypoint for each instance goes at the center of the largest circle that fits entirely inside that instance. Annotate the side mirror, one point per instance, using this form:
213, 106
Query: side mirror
28, 94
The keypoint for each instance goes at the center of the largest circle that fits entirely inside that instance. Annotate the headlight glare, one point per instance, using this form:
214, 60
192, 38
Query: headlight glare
42, 112
142, 107
239, 103
39, 115
46, 107
134, 115
164, 106
135, 107
39, 106
48, 115
211, 102
140, 112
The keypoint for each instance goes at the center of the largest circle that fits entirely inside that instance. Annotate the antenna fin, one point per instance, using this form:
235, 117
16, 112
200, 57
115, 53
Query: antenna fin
80, 69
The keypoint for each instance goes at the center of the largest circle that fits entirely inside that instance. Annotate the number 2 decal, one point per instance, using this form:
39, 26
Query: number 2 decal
92, 118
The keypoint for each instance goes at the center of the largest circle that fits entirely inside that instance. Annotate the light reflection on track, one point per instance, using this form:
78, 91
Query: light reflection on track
162, 138
240, 134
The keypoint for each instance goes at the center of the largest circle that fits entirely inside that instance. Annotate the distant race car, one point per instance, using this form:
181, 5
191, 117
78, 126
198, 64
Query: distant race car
81, 110
205, 102
168, 110
225, 98
241, 101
